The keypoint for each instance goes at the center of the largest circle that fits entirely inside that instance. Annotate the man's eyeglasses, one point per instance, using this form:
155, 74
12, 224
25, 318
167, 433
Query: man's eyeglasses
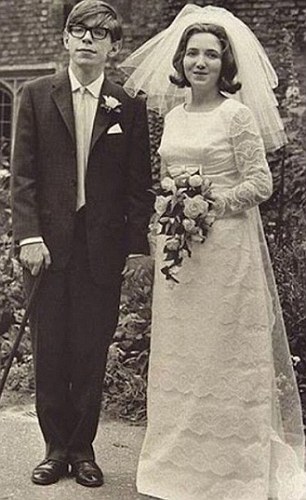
79, 31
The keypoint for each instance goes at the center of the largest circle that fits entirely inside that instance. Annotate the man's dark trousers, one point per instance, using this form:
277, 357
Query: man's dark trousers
72, 326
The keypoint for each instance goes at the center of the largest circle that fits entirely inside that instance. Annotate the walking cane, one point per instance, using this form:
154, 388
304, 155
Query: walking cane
23, 323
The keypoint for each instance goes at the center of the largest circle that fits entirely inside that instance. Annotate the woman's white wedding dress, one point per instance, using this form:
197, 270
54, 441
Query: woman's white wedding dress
224, 418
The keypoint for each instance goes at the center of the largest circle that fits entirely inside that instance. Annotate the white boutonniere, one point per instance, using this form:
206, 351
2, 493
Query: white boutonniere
110, 103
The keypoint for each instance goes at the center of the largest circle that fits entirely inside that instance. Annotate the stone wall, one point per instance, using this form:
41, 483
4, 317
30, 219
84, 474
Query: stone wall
31, 32
258, 14
266, 15
31, 29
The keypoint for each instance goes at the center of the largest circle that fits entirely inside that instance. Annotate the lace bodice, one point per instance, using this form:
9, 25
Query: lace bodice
226, 146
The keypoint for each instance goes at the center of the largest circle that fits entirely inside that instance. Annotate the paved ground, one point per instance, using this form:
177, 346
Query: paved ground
21, 448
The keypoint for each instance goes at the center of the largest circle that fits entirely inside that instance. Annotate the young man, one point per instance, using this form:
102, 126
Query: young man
81, 206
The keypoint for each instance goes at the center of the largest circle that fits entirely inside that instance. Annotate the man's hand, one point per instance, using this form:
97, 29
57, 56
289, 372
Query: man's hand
33, 256
138, 267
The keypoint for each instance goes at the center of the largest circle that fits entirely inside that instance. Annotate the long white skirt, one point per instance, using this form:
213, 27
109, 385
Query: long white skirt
214, 425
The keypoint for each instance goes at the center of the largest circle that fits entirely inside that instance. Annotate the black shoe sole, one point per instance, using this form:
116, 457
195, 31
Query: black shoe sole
89, 485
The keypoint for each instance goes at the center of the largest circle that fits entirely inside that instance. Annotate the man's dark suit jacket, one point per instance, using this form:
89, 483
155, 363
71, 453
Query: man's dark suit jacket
44, 186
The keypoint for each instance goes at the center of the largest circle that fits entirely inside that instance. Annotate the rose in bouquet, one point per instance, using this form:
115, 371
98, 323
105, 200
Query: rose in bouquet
183, 207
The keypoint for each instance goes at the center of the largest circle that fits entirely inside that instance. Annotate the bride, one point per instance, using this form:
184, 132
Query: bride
224, 416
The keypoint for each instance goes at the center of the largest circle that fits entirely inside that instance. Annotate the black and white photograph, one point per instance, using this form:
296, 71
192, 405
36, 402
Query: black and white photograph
153, 249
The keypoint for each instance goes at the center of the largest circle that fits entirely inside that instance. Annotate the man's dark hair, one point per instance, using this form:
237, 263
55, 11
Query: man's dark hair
104, 14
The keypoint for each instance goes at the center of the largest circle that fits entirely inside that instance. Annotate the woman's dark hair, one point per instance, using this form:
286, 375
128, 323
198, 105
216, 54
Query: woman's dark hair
228, 67
104, 13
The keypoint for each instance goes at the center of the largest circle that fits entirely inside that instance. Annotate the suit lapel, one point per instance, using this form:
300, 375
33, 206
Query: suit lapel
102, 119
62, 97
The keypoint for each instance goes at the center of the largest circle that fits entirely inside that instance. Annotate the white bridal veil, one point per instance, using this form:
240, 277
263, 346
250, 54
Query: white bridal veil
149, 68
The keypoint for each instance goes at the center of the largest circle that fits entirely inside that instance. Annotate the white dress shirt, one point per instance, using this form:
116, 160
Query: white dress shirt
85, 101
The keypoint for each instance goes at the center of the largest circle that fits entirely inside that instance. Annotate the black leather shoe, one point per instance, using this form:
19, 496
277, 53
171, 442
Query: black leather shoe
49, 472
88, 473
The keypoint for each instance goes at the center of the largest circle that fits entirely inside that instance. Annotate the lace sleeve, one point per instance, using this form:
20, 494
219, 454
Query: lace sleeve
256, 180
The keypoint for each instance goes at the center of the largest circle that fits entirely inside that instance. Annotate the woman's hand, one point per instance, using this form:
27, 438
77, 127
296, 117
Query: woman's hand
218, 207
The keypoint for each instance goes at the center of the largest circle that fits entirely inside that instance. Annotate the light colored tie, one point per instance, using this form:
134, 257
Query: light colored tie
83, 144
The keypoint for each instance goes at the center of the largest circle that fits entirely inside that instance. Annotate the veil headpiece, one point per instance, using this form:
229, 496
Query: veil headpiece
150, 66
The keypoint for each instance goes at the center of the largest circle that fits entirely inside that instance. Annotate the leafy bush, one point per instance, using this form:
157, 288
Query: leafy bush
126, 375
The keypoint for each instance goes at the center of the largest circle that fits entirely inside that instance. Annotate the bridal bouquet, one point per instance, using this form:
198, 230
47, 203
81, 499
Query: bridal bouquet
183, 209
